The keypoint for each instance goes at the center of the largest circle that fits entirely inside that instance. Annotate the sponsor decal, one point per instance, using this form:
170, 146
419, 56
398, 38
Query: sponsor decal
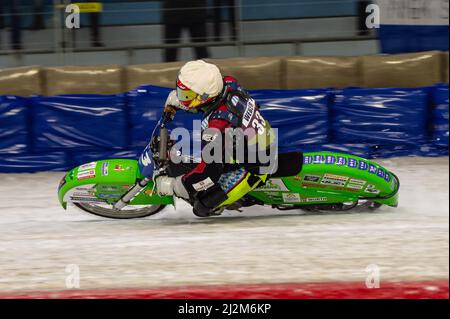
149, 192
315, 199
312, 178
331, 179
349, 162
86, 191
341, 161
105, 169
357, 181
145, 159
274, 184
352, 163
248, 114
347, 189
354, 186
86, 174
209, 137
295, 198
118, 168
327, 181
307, 160
205, 122
291, 197
203, 185
107, 196
363, 166
372, 169
318, 159
274, 195
235, 100
314, 185
88, 166
204, 97
371, 189
84, 194
108, 188
86, 199
338, 177
88, 187
330, 160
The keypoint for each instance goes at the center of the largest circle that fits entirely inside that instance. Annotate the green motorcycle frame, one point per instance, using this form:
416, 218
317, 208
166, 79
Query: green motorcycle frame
326, 180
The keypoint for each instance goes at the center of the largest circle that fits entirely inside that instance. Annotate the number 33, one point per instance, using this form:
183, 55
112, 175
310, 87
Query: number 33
259, 123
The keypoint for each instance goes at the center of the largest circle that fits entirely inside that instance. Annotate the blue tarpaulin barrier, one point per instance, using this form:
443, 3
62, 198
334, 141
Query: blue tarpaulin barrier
82, 122
31, 163
380, 116
440, 115
301, 116
13, 125
146, 105
57, 133
362, 150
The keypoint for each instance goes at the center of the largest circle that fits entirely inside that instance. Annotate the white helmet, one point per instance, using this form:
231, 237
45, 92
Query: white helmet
201, 78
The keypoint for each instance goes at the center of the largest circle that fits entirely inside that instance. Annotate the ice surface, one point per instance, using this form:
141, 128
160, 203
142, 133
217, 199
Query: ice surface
38, 239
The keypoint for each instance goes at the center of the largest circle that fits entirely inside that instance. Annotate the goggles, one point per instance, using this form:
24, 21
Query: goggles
187, 97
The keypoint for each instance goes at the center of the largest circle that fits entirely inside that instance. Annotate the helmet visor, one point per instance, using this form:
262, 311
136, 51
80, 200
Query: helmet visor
185, 95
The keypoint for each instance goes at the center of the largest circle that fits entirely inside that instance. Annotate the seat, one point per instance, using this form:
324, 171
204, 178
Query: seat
289, 164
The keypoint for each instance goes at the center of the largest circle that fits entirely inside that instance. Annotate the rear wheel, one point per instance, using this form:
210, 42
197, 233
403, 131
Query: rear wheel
106, 210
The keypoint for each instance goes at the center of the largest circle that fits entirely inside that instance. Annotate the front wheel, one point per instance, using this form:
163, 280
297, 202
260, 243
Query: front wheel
105, 210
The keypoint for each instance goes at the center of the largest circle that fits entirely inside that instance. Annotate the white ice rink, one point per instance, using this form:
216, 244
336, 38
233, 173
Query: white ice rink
38, 239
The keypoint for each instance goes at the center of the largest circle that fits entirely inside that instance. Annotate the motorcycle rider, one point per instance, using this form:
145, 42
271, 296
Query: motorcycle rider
210, 187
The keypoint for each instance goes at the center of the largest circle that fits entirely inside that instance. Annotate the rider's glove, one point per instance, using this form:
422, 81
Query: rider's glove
169, 186
172, 102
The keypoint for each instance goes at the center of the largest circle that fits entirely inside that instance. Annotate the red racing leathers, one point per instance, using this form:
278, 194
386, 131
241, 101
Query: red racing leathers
204, 175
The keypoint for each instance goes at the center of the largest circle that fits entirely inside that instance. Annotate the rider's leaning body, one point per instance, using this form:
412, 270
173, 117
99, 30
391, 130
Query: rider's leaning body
211, 186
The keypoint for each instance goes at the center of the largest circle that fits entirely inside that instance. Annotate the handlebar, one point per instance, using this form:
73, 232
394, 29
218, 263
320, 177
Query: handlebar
163, 139
160, 142
166, 118
164, 135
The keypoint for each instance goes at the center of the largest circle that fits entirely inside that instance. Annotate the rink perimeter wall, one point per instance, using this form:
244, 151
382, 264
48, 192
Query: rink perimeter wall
48, 133
433, 289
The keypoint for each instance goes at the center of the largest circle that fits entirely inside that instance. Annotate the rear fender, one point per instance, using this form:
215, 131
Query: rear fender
348, 176
328, 177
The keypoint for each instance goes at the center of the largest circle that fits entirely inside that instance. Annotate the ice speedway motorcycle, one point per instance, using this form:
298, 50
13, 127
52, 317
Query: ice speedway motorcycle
314, 181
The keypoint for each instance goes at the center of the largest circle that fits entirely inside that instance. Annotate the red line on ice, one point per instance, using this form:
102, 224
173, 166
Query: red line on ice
436, 289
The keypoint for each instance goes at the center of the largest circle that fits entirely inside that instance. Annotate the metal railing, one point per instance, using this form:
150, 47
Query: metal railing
64, 43
296, 45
